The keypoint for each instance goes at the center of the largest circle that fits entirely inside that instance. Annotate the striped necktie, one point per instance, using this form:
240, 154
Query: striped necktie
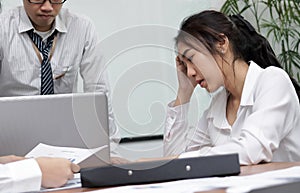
46, 71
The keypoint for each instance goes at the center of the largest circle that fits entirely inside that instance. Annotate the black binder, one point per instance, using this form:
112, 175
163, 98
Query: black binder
158, 171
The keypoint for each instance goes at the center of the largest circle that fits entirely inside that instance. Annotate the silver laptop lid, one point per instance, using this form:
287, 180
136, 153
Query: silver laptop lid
71, 120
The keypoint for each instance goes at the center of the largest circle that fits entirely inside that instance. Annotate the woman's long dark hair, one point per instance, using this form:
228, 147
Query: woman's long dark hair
246, 44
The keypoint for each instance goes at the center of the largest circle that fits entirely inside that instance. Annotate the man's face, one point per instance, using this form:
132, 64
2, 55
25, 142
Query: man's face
42, 15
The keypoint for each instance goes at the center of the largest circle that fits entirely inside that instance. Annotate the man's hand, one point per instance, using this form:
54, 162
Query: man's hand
56, 171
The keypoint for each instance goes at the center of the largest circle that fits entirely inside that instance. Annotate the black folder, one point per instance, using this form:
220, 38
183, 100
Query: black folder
159, 171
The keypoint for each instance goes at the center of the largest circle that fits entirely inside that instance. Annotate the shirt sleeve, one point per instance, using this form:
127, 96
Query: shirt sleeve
20, 176
176, 129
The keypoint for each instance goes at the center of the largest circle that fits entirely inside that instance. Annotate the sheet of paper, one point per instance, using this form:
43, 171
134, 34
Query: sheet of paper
75, 155
75, 183
251, 182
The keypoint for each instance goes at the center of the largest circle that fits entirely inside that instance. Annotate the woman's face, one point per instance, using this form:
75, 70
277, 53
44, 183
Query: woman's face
202, 66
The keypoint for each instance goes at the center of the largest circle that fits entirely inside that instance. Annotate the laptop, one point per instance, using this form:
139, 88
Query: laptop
68, 120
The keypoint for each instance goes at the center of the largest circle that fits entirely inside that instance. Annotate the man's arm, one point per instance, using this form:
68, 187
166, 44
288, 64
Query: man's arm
20, 176
31, 174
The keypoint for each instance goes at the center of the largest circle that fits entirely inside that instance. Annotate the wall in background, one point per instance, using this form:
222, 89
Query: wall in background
137, 37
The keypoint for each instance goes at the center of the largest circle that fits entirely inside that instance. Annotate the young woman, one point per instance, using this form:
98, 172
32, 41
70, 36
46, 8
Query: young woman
254, 109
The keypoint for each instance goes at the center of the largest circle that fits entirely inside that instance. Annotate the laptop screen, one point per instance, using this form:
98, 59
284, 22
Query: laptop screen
69, 120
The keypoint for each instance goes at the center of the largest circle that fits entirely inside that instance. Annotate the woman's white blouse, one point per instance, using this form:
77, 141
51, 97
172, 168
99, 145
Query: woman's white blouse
267, 127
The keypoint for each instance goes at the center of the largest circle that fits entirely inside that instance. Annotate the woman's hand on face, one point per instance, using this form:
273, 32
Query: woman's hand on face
186, 84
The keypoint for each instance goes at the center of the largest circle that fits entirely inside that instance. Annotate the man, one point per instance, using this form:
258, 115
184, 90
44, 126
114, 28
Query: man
43, 49
18, 174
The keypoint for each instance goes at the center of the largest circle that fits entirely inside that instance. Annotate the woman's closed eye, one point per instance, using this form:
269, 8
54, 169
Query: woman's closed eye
190, 58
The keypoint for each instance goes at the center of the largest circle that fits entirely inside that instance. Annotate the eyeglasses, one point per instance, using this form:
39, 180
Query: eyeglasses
43, 1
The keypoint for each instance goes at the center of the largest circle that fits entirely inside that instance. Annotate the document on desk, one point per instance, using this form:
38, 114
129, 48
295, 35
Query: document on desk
266, 179
75, 155
232, 184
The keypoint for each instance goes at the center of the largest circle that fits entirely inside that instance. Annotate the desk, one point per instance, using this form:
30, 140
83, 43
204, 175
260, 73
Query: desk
245, 170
